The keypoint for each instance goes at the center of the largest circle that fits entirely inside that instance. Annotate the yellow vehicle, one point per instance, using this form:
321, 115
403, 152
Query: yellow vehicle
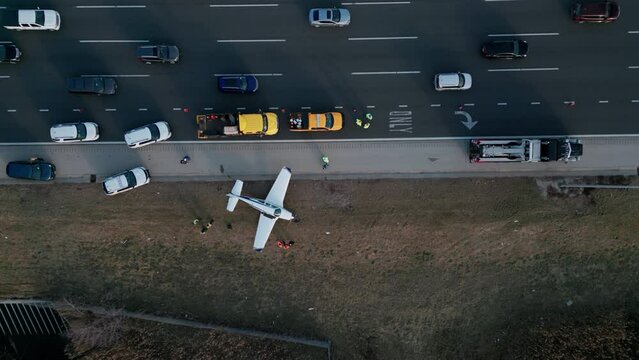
330, 121
258, 124
217, 125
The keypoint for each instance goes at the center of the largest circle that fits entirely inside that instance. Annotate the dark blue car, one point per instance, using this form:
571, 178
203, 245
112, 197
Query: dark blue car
34, 169
237, 83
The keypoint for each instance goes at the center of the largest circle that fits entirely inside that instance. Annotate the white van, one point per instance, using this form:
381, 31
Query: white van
453, 81
31, 19
148, 134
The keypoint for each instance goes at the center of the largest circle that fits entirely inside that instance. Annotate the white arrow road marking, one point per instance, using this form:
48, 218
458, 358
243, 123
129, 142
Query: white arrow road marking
469, 123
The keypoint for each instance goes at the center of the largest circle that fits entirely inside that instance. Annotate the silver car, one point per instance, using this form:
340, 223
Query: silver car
329, 17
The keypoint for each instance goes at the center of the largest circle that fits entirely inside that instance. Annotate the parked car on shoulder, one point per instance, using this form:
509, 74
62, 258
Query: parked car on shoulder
100, 85
505, 49
329, 17
453, 81
75, 132
159, 54
237, 83
595, 11
33, 169
125, 181
9, 53
148, 134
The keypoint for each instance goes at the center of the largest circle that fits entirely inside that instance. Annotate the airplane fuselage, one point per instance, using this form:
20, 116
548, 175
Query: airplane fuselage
270, 210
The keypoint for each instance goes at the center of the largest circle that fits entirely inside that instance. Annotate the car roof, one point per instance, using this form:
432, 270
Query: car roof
449, 80
64, 131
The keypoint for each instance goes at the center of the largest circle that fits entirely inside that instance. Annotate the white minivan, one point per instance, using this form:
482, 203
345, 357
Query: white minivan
453, 81
35, 19
148, 134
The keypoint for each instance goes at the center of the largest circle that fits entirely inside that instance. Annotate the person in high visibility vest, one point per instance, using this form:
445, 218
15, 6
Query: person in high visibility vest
358, 122
324, 161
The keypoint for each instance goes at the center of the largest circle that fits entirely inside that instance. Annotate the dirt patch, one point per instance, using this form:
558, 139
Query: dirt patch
411, 269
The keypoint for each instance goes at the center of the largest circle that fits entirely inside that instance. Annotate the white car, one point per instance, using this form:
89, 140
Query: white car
148, 134
35, 19
126, 181
453, 81
75, 132
329, 17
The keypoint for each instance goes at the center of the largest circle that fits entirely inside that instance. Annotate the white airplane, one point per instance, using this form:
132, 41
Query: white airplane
271, 208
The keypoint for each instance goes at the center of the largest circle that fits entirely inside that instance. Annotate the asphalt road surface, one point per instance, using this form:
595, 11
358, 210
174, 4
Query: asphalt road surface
383, 63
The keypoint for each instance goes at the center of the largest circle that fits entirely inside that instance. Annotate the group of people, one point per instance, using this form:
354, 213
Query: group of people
365, 124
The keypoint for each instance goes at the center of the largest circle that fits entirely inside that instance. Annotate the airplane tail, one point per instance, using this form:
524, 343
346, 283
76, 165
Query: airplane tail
235, 192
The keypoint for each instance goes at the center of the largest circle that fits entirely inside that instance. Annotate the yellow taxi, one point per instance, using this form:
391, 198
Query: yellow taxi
330, 121
258, 124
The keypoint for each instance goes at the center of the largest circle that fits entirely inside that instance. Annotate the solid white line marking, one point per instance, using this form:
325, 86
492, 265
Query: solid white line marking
251, 40
633, 67
177, 109
263, 74
110, 109
43, 110
635, 101
110, 6
633, 32
377, 3
435, 105
402, 106
77, 110
208, 108
113, 41
11, 110
383, 38
6, 42
526, 69
603, 101
339, 107
386, 72
499, 0
569, 102
142, 109
241, 108
535, 103
241, 5
370, 106
273, 108
524, 34
502, 104
306, 108
122, 76
4, 76
469, 104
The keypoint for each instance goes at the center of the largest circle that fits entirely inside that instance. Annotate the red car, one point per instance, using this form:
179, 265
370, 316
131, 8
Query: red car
595, 12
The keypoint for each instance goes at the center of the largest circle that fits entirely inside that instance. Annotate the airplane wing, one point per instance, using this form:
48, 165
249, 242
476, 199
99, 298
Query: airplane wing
264, 227
276, 195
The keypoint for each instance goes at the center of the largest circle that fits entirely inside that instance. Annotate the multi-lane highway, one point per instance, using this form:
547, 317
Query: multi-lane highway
383, 63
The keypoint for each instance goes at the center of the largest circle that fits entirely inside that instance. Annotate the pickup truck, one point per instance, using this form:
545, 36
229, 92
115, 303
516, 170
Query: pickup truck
330, 121
36, 19
218, 125
525, 150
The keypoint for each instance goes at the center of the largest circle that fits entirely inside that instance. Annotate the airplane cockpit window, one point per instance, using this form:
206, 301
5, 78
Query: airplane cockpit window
278, 212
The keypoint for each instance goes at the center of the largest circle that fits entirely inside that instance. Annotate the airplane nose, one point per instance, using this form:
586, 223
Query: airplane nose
259, 250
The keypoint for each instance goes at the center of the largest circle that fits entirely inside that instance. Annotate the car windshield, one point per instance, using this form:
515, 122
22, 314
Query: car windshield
155, 131
264, 123
335, 15
329, 121
243, 84
36, 171
3, 52
315, 15
462, 80
163, 52
39, 17
82, 131
98, 84
130, 179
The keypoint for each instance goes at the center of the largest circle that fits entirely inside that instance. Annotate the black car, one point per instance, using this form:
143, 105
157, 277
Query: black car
9, 53
159, 54
237, 83
92, 84
34, 169
505, 49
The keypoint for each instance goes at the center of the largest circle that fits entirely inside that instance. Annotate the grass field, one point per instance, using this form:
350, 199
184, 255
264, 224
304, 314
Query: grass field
411, 269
